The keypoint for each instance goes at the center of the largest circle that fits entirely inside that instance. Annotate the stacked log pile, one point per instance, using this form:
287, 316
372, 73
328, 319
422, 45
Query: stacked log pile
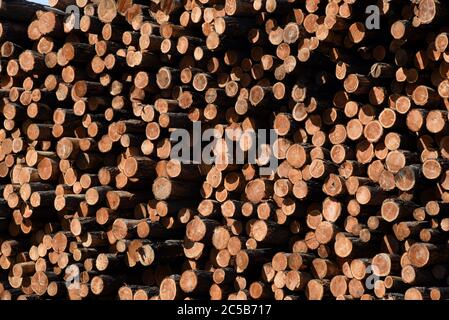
93, 205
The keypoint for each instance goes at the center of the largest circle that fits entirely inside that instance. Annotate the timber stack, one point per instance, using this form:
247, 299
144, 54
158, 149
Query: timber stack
95, 206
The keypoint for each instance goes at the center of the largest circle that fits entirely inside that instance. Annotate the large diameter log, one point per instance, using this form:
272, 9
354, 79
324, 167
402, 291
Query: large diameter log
164, 188
195, 281
425, 254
